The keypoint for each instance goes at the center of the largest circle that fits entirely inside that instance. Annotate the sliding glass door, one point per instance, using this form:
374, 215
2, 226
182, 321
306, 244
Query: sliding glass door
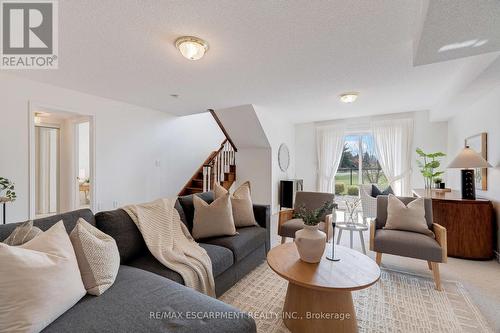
359, 165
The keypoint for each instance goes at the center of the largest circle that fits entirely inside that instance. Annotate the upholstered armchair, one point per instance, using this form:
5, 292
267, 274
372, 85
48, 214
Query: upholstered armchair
368, 203
287, 225
407, 243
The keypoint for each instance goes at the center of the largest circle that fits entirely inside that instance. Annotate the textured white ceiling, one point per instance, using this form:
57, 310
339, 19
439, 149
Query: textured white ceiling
291, 57
452, 29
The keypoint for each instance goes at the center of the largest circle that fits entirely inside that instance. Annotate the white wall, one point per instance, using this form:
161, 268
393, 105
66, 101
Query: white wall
141, 154
187, 142
278, 130
430, 136
258, 133
254, 165
483, 116
253, 159
306, 155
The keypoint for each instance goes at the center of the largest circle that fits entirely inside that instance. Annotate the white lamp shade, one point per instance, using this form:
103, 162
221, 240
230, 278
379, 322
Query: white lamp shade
468, 158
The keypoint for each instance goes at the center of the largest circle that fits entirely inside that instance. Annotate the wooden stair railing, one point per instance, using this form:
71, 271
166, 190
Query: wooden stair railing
223, 129
220, 166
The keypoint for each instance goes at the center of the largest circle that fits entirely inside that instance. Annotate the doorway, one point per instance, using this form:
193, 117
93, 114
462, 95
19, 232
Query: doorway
61, 161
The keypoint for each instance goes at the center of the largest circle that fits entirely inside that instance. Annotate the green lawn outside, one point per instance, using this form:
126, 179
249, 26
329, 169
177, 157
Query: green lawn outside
345, 177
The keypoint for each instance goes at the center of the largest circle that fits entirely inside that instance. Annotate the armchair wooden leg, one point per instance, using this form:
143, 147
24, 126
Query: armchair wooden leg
429, 264
283, 239
437, 277
378, 259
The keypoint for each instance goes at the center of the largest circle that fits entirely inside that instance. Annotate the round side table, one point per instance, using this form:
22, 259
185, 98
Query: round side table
352, 227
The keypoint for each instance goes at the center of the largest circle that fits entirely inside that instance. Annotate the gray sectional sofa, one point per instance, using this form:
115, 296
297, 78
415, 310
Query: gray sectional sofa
147, 296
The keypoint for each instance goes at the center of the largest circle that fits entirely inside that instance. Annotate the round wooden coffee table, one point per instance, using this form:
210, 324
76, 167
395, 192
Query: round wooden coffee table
318, 298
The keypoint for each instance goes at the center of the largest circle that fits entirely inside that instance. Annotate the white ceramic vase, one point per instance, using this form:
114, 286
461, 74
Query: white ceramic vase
310, 243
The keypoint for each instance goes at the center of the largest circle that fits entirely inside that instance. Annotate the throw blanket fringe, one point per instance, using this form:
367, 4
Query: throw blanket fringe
170, 242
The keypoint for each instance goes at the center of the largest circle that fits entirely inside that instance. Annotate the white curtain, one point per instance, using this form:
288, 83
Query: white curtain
394, 144
329, 144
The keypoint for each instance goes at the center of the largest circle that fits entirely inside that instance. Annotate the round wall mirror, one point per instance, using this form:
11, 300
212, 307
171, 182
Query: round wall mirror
283, 157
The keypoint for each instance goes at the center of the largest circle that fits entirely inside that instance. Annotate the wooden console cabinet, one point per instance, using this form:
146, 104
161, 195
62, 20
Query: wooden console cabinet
469, 223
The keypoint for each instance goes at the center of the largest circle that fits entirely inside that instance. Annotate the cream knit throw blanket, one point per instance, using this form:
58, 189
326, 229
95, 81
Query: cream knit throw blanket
168, 239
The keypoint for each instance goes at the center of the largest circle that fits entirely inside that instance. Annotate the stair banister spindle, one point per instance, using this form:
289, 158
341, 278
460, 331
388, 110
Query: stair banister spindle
209, 182
226, 164
224, 159
217, 169
221, 178
204, 178
216, 165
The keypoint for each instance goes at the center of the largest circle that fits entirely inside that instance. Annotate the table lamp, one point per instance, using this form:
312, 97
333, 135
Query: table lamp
468, 160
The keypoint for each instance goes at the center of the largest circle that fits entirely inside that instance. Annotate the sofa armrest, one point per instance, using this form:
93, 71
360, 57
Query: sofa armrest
440, 233
262, 215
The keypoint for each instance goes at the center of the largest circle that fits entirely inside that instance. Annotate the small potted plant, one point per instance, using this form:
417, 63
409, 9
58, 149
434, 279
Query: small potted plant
310, 241
437, 182
7, 192
429, 164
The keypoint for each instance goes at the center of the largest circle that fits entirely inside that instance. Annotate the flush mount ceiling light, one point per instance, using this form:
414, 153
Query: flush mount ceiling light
349, 97
192, 48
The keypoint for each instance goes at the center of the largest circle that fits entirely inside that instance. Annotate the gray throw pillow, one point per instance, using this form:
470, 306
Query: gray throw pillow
376, 191
22, 234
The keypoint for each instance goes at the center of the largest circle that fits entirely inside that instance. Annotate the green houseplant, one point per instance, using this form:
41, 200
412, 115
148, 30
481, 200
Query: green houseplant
429, 164
314, 217
7, 190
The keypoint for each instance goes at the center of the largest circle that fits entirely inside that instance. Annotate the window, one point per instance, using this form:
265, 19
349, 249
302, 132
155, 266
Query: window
359, 165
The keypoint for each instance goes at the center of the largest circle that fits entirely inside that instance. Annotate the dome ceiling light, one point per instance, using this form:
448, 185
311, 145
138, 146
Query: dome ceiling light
349, 97
192, 48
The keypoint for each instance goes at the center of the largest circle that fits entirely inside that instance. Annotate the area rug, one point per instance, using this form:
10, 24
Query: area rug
398, 302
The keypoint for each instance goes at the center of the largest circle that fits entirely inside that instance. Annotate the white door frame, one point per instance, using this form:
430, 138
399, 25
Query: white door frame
33, 108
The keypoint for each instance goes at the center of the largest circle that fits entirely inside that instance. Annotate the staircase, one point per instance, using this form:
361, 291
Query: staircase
219, 167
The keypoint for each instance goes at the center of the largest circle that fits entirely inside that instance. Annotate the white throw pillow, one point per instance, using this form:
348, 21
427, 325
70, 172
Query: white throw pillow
409, 217
212, 220
39, 281
241, 202
97, 256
